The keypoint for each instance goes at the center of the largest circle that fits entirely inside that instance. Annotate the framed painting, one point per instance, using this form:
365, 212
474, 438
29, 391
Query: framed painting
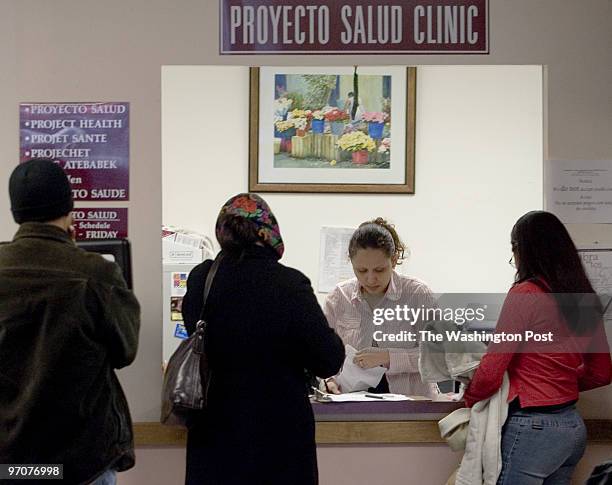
332, 129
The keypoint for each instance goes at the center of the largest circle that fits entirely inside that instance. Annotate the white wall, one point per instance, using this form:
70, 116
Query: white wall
478, 168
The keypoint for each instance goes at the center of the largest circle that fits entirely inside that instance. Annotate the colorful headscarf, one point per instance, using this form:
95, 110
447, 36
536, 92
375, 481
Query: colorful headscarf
256, 210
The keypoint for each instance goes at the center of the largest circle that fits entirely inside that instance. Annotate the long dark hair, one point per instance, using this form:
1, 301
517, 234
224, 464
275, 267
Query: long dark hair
378, 234
544, 250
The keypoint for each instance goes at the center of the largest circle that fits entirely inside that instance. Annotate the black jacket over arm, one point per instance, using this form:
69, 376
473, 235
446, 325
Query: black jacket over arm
265, 328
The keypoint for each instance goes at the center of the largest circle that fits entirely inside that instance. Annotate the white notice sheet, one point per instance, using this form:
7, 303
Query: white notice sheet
579, 192
598, 266
334, 263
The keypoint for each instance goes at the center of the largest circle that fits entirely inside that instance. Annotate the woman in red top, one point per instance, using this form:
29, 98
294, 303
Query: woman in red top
564, 350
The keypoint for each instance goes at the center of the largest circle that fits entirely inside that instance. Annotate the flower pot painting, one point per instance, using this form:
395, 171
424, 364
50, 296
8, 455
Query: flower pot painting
359, 145
323, 129
337, 127
360, 157
284, 129
328, 107
318, 126
375, 130
285, 145
376, 123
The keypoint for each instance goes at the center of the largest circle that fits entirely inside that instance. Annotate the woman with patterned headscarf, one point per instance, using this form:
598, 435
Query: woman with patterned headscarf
264, 328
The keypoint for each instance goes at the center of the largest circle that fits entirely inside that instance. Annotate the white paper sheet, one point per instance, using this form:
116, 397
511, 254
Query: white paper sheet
362, 396
334, 263
354, 378
598, 266
579, 191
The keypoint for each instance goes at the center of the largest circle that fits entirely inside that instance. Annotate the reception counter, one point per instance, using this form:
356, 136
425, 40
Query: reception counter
383, 411
364, 423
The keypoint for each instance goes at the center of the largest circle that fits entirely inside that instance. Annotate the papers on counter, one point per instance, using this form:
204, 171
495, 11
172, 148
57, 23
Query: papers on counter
362, 396
354, 378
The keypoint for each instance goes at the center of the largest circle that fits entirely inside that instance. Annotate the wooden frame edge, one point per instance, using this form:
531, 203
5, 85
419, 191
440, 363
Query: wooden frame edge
253, 129
411, 87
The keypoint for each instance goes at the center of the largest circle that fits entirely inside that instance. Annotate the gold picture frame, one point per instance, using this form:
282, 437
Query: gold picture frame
316, 162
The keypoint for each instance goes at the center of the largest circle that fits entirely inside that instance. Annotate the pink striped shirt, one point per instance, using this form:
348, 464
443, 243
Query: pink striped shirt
349, 314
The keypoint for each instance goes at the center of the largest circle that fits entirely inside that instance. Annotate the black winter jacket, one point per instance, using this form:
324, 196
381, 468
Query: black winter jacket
265, 328
67, 320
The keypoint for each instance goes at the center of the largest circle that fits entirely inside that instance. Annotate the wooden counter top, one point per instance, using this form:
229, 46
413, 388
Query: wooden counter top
404, 422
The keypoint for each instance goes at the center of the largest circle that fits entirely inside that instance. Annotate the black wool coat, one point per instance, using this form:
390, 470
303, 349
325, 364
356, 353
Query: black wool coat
265, 328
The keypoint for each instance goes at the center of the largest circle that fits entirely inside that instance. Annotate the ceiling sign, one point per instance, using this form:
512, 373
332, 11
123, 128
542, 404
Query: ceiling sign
354, 27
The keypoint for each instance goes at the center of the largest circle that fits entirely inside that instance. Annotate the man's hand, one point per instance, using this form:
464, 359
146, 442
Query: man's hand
366, 358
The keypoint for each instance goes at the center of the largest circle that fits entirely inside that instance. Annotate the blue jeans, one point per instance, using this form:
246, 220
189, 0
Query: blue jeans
109, 477
541, 448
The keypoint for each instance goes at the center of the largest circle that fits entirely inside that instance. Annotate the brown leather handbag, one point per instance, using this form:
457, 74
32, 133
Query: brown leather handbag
187, 375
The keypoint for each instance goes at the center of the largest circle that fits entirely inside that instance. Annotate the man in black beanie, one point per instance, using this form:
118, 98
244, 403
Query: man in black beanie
40, 192
67, 320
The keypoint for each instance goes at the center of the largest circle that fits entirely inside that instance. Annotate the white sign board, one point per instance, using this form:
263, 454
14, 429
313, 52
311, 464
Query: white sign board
598, 266
334, 263
579, 191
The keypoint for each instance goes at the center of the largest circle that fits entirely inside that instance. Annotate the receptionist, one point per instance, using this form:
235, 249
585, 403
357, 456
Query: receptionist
374, 250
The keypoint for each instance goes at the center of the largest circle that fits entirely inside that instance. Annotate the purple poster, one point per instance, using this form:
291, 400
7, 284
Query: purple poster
100, 223
90, 141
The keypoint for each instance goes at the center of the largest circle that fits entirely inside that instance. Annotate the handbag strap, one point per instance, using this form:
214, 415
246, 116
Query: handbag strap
200, 331
208, 283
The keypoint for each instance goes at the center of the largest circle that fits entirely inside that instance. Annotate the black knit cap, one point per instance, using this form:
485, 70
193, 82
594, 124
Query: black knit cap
39, 191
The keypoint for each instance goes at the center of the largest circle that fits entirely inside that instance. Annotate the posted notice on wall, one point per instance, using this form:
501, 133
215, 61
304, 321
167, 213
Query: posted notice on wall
579, 191
100, 223
334, 263
177, 292
598, 266
90, 141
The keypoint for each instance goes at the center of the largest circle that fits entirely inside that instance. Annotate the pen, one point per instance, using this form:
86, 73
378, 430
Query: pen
375, 397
